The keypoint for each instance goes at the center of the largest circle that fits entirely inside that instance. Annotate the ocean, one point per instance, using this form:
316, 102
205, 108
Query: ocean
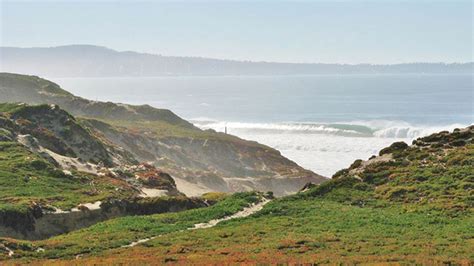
322, 122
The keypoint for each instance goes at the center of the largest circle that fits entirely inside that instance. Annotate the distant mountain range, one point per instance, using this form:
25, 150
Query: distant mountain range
96, 61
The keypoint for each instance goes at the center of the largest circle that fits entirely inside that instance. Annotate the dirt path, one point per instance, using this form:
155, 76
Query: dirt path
241, 214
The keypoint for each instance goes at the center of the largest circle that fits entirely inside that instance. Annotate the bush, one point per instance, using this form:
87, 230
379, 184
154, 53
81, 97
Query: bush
356, 164
340, 173
396, 146
39, 164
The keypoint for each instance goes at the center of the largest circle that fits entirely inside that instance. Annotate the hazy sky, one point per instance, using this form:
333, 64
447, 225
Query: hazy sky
354, 31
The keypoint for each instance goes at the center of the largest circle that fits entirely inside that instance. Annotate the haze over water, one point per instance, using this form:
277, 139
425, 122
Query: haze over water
322, 122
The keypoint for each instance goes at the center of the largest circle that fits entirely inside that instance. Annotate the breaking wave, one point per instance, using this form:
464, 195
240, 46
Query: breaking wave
326, 147
376, 128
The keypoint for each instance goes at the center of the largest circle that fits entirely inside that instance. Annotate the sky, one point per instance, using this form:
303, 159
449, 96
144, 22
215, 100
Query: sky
380, 32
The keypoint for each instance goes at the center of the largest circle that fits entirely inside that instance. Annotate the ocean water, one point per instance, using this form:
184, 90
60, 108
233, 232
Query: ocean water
322, 122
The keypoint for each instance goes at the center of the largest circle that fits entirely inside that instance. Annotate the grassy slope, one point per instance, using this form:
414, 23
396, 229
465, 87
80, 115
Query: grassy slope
122, 231
417, 207
26, 178
315, 230
35, 90
163, 130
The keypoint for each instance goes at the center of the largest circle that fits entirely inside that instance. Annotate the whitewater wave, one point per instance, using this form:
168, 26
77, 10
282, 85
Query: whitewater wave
375, 128
326, 147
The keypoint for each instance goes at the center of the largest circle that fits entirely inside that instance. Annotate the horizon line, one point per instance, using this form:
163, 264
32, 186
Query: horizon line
241, 60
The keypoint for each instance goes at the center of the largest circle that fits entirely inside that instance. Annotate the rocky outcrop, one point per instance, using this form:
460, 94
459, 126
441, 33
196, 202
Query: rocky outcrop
40, 223
211, 162
58, 131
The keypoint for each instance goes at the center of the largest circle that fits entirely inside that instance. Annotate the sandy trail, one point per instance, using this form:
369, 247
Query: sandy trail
138, 242
241, 214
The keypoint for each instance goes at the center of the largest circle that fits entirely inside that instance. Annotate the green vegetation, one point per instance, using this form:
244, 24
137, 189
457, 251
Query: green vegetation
411, 205
54, 129
413, 208
214, 196
123, 231
162, 129
32, 82
436, 173
318, 230
30, 185
10, 107
27, 179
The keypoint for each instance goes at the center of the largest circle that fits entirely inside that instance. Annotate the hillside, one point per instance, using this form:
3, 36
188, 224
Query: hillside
411, 204
35, 90
96, 61
57, 176
199, 161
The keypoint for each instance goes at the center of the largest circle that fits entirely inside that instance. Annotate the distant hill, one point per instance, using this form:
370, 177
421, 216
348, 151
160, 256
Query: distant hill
96, 61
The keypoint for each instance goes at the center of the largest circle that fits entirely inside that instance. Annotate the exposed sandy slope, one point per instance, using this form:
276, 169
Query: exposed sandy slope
153, 192
72, 163
91, 206
65, 162
190, 189
146, 192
